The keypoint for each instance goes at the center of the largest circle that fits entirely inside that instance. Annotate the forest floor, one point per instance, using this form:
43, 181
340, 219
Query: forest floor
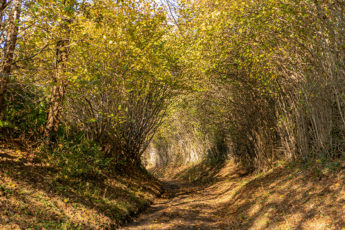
218, 197
36, 194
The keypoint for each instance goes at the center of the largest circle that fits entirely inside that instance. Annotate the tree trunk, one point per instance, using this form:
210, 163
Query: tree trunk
55, 111
3, 5
58, 91
10, 46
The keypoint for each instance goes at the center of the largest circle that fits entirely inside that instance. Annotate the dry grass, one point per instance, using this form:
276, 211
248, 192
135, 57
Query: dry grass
285, 198
33, 194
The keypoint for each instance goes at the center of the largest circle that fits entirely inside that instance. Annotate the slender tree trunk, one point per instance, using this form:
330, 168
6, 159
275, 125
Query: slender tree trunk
59, 79
3, 5
58, 90
10, 46
55, 111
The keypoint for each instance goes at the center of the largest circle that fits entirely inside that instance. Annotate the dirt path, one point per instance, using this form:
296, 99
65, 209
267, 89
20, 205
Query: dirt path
182, 206
282, 198
285, 197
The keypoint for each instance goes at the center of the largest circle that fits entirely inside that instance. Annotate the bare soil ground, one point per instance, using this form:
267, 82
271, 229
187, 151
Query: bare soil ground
282, 198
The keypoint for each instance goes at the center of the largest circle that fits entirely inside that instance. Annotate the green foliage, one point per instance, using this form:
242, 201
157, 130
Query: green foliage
265, 69
79, 157
258, 79
25, 110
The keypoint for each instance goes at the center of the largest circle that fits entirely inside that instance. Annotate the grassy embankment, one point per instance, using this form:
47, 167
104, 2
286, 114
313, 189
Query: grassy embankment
304, 195
36, 192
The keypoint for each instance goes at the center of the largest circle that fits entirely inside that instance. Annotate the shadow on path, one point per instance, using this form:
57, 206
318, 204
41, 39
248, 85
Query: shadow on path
179, 207
282, 198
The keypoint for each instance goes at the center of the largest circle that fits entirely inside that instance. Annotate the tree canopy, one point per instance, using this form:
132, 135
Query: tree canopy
259, 80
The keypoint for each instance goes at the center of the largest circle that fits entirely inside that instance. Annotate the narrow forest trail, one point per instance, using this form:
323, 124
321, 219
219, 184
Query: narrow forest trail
181, 206
282, 198
187, 205
34, 195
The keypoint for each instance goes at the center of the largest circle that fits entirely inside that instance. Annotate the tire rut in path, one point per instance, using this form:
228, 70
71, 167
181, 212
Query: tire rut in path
181, 206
